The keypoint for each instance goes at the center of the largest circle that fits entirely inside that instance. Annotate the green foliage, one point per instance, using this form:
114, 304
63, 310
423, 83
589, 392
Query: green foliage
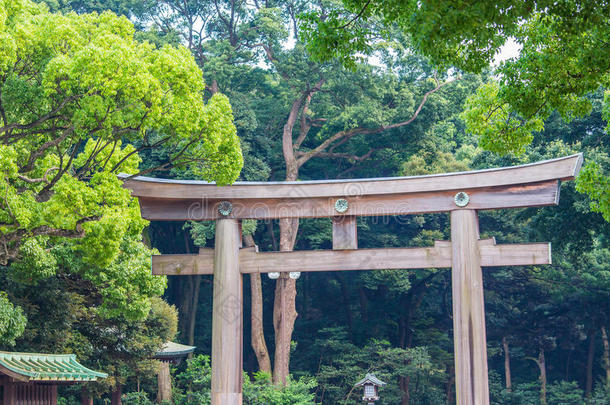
12, 321
397, 324
124, 347
193, 387
203, 231
564, 392
606, 109
433, 161
499, 128
35, 263
136, 398
328, 38
261, 391
562, 56
601, 395
343, 364
595, 181
73, 90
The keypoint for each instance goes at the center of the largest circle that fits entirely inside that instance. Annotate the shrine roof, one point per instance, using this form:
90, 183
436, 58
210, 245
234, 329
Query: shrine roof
370, 378
46, 367
174, 350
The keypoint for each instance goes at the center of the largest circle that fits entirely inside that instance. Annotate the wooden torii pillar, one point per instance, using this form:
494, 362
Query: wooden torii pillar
461, 194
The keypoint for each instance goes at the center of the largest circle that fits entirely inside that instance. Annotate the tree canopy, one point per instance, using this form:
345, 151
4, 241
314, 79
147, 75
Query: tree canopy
563, 57
79, 99
400, 113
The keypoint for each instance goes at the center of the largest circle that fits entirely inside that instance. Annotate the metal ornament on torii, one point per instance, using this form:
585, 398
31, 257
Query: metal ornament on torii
461, 194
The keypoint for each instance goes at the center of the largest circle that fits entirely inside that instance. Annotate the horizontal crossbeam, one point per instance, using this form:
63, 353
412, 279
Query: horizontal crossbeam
437, 256
528, 195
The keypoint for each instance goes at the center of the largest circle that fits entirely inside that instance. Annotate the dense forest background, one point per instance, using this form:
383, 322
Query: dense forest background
392, 114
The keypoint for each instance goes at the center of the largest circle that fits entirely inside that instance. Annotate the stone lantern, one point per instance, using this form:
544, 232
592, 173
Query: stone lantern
371, 386
170, 353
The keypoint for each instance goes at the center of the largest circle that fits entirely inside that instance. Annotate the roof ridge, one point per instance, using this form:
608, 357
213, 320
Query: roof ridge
47, 367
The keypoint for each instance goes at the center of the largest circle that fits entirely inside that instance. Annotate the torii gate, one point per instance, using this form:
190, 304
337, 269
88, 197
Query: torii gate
462, 194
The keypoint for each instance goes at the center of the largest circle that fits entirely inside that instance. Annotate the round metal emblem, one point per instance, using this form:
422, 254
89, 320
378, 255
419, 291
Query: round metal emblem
225, 208
341, 205
273, 275
461, 199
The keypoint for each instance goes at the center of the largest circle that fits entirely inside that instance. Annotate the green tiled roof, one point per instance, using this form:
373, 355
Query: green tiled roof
370, 378
172, 350
46, 367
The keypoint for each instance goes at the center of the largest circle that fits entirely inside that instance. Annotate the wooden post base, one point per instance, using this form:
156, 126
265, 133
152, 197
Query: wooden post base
227, 316
226, 399
469, 337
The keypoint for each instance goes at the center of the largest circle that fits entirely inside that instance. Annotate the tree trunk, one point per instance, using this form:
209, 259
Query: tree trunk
284, 308
450, 383
116, 395
507, 365
185, 297
164, 383
259, 345
364, 307
85, 398
196, 282
284, 305
542, 367
346, 303
410, 303
186, 306
403, 382
590, 359
606, 356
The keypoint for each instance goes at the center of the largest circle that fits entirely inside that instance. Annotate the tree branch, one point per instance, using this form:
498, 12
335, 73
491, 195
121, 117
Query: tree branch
287, 145
40, 151
345, 135
39, 180
51, 114
19, 235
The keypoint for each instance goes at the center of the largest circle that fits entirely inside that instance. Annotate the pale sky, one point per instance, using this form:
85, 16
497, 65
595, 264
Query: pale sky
510, 49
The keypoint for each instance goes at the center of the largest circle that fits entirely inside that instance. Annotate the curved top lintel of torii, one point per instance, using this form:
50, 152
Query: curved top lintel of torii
533, 184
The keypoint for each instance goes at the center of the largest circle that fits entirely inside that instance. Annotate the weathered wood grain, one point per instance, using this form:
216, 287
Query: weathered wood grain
469, 337
164, 383
513, 196
438, 256
227, 316
564, 168
345, 233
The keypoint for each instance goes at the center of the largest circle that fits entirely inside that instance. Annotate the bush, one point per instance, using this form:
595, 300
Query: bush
261, 391
193, 387
564, 393
136, 398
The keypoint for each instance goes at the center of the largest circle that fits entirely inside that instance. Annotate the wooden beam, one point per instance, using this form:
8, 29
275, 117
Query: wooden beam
345, 233
438, 256
511, 196
565, 168
14, 375
227, 316
469, 338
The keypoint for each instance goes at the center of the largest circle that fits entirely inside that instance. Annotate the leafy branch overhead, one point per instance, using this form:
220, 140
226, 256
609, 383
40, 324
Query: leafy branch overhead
79, 99
563, 58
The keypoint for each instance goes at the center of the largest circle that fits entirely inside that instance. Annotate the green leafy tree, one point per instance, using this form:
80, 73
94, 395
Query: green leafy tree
561, 60
79, 99
73, 89
12, 321
194, 384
